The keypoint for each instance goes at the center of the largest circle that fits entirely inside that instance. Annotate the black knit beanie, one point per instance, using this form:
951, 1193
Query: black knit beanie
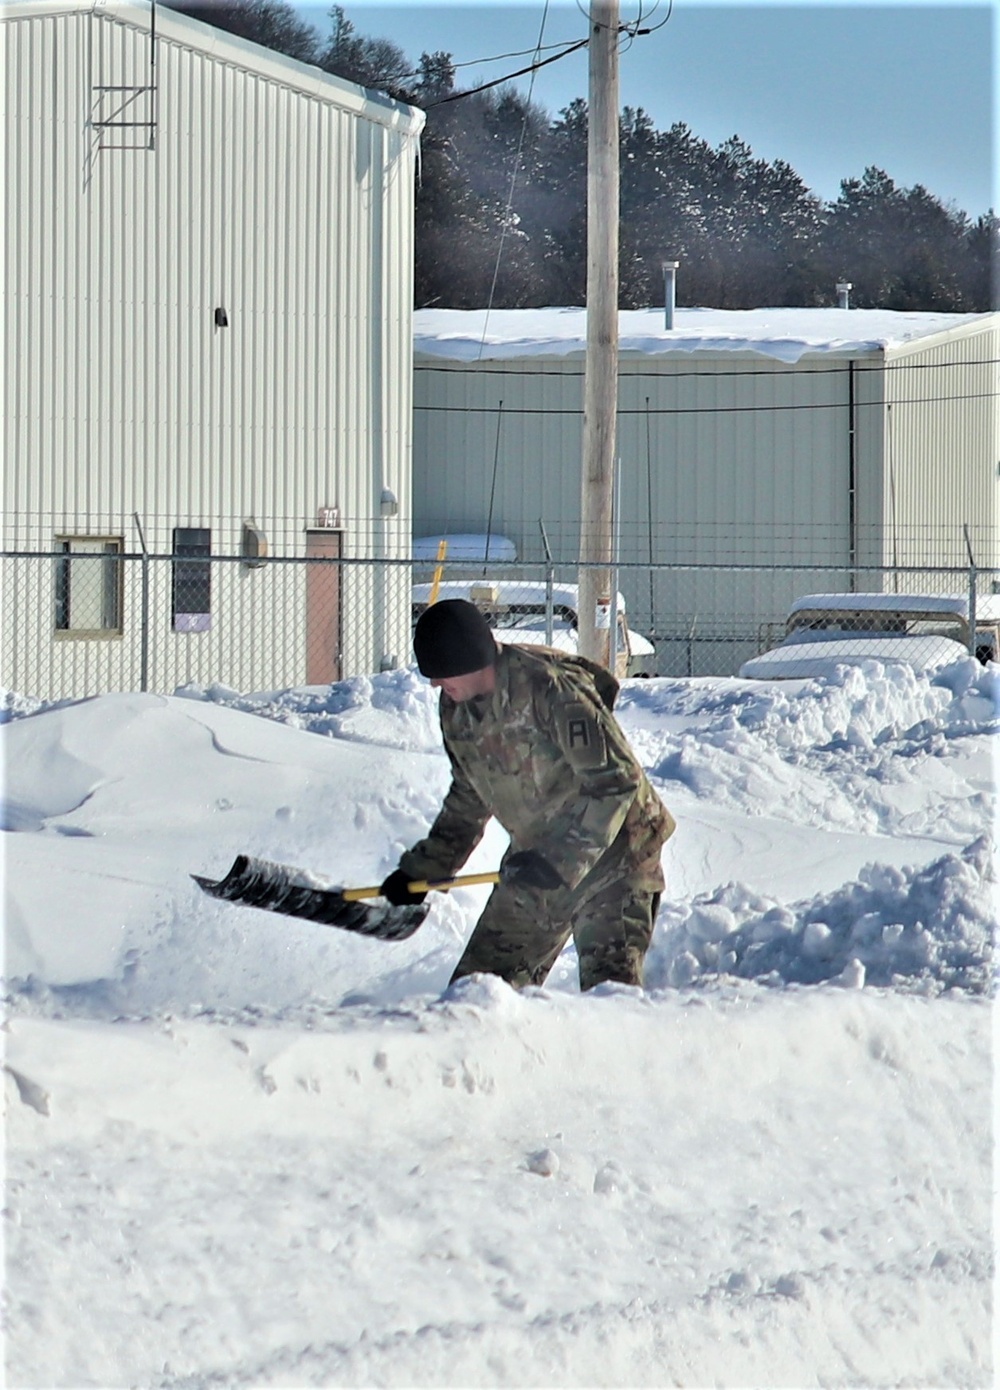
453, 638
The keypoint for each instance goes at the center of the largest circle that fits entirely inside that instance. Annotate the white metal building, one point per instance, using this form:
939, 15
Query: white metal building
208, 350
833, 437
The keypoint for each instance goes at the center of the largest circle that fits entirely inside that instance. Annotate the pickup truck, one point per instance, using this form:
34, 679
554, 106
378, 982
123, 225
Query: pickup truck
526, 612
925, 631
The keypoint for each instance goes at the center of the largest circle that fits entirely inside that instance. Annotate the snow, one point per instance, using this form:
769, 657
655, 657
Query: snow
808, 653
987, 605
243, 1150
496, 549
467, 335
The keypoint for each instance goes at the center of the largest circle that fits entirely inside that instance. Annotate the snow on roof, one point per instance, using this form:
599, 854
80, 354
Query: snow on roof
987, 606
499, 549
468, 335
508, 591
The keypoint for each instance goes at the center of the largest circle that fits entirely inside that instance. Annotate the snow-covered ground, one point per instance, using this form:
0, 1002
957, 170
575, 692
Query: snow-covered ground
243, 1150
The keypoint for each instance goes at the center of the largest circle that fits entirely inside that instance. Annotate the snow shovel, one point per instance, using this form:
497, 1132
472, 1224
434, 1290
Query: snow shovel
295, 893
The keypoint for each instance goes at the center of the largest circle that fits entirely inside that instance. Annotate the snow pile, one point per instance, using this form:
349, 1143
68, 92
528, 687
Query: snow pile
839, 747
15, 706
847, 752
396, 709
888, 767
924, 930
855, 707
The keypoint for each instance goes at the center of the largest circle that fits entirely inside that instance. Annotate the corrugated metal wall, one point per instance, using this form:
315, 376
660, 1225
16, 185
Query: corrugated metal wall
723, 459
942, 444
247, 184
726, 459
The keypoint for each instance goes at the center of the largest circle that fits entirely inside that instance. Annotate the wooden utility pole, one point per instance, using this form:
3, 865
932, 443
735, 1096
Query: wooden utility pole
600, 404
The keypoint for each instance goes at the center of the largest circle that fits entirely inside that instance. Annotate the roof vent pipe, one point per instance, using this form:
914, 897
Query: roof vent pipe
669, 291
844, 288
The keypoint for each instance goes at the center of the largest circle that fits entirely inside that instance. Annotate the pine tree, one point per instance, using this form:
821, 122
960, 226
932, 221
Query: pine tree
501, 201
271, 23
377, 63
901, 249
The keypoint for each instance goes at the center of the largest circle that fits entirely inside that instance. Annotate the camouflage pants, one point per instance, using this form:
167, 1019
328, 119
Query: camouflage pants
522, 931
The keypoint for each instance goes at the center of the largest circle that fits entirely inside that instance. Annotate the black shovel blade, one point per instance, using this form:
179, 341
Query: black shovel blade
280, 888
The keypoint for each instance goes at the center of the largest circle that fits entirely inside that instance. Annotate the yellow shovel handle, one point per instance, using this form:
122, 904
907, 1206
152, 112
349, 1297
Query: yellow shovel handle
424, 885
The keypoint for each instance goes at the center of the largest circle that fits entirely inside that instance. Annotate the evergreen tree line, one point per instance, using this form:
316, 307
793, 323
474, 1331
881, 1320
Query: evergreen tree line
502, 194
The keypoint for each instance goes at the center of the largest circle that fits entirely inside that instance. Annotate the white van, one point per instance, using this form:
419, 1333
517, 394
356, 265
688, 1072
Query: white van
518, 610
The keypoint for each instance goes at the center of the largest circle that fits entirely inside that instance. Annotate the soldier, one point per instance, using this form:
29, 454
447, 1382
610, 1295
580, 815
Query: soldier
532, 740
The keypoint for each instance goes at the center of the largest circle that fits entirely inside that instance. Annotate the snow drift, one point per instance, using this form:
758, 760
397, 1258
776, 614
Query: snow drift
257, 1152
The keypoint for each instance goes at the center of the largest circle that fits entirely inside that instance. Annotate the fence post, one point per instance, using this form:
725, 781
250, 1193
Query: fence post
144, 628
549, 580
972, 591
690, 645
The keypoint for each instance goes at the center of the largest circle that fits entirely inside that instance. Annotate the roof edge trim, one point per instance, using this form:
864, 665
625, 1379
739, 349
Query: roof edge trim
978, 323
218, 43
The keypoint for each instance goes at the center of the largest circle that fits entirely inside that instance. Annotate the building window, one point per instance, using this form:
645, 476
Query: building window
191, 588
89, 586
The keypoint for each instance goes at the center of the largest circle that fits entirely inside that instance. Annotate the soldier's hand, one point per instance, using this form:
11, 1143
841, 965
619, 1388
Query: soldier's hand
527, 867
396, 889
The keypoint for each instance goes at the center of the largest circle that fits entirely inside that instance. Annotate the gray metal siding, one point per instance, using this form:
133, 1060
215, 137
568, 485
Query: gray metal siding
737, 451
744, 461
728, 459
497, 435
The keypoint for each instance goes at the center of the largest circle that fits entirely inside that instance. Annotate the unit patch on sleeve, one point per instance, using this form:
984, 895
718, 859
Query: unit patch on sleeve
582, 737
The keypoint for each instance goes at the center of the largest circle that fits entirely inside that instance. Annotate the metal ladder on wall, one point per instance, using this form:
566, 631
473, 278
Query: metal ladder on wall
128, 106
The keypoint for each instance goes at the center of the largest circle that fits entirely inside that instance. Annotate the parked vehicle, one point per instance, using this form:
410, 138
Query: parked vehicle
925, 631
465, 548
529, 613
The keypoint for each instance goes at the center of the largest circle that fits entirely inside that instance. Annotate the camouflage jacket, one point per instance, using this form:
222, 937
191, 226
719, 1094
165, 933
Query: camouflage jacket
546, 757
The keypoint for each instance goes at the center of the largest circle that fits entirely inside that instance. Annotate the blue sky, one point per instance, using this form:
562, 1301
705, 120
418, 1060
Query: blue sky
831, 88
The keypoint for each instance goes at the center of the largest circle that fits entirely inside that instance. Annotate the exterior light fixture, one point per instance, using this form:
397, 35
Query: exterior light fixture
253, 545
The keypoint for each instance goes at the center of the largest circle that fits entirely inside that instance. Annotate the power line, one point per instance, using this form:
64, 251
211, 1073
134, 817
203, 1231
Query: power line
532, 67
639, 28
635, 28
513, 182
630, 31
496, 57
785, 373
714, 410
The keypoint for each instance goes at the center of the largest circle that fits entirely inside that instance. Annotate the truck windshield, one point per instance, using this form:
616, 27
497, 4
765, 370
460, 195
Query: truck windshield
878, 622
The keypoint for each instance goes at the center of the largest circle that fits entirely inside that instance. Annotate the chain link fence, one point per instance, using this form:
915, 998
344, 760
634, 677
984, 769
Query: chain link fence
87, 617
